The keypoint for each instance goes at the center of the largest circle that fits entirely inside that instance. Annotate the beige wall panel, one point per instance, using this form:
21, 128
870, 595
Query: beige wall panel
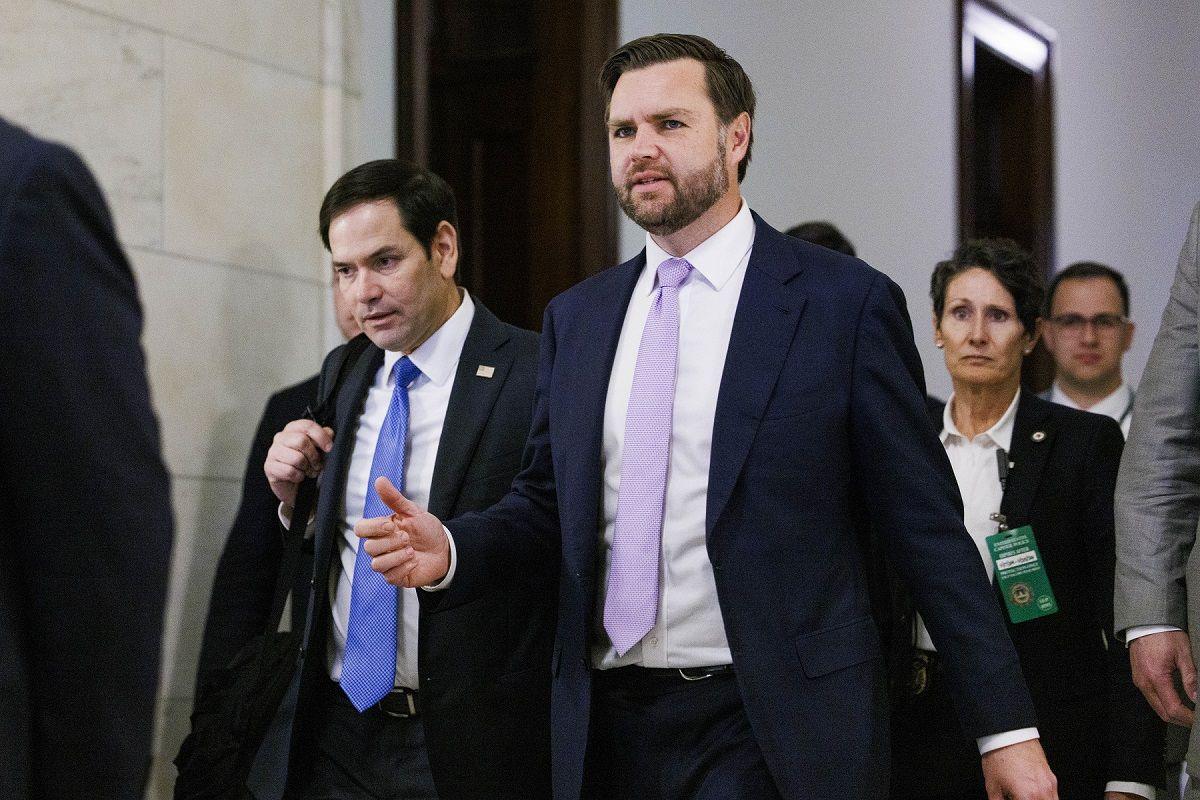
219, 341
283, 33
204, 510
95, 84
243, 160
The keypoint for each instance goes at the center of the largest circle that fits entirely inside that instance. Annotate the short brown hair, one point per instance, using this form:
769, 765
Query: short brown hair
729, 86
1012, 266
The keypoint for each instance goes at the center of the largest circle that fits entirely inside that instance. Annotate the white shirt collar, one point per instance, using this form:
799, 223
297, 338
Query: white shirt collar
717, 257
437, 357
1113, 406
999, 434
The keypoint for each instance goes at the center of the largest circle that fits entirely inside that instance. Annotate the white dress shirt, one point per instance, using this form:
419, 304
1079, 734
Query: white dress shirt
428, 395
1118, 405
689, 631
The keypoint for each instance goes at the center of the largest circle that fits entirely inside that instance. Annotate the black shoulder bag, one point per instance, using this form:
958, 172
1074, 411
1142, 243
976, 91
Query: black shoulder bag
235, 709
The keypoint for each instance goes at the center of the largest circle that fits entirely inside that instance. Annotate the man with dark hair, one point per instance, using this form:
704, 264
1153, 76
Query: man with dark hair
1088, 332
392, 701
85, 515
719, 423
823, 233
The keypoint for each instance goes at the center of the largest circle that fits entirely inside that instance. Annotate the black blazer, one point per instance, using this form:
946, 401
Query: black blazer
249, 564
85, 518
1095, 725
485, 670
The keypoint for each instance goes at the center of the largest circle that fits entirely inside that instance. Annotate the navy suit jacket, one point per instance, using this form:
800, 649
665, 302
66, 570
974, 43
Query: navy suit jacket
820, 434
85, 517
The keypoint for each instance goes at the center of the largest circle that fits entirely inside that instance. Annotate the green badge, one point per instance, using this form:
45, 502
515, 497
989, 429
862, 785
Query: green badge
1021, 574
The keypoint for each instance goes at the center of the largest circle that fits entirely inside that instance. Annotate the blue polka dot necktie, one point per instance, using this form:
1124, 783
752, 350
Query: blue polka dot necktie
369, 662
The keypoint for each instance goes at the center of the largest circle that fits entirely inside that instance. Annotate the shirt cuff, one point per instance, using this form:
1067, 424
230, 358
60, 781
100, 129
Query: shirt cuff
285, 519
1140, 789
1137, 631
987, 744
444, 583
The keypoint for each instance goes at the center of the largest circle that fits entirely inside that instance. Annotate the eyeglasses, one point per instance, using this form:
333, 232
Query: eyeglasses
1076, 323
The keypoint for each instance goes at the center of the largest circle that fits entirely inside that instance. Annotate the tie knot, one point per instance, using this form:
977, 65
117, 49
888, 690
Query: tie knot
672, 272
405, 371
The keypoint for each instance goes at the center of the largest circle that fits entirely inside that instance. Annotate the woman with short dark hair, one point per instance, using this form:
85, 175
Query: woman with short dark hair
1037, 486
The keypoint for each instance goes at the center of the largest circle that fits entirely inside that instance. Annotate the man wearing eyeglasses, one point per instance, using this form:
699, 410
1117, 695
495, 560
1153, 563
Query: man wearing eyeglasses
1088, 332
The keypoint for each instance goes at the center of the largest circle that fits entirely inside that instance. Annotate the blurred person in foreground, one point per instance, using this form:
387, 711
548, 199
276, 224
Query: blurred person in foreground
1088, 332
1037, 483
1158, 509
85, 517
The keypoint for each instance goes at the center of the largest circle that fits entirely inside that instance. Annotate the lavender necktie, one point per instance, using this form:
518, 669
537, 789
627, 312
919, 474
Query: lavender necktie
631, 601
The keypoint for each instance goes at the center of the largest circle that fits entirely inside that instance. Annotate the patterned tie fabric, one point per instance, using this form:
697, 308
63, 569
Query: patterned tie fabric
369, 663
631, 602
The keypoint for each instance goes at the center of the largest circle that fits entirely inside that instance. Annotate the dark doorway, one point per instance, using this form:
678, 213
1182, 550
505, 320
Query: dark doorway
499, 97
1005, 143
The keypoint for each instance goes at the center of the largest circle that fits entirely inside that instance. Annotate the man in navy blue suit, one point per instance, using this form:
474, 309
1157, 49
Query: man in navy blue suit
85, 515
719, 421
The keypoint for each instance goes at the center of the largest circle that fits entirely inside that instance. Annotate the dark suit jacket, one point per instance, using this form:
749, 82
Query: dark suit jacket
249, 565
820, 433
485, 668
1095, 725
85, 519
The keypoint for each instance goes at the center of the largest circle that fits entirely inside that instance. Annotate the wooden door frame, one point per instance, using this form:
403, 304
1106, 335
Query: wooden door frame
597, 205
1028, 45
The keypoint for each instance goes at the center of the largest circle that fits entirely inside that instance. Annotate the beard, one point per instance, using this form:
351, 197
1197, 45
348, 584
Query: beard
694, 194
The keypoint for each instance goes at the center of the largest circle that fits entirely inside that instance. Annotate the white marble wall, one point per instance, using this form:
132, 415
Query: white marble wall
214, 129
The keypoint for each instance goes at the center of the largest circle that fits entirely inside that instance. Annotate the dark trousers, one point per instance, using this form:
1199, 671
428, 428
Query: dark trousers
654, 737
368, 756
932, 759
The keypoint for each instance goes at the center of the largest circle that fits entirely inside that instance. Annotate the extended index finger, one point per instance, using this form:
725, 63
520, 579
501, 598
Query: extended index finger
393, 499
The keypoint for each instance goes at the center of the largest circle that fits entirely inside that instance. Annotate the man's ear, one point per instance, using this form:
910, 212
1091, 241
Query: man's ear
443, 250
1128, 335
738, 137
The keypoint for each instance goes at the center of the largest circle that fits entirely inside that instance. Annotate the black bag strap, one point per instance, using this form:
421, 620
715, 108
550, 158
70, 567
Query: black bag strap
307, 494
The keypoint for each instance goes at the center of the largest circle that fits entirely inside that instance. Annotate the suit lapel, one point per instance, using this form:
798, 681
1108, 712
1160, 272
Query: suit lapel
350, 399
470, 406
1033, 435
578, 440
763, 328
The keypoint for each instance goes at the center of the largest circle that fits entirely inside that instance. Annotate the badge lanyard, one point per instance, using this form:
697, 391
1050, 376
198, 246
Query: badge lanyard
1020, 573
1001, 470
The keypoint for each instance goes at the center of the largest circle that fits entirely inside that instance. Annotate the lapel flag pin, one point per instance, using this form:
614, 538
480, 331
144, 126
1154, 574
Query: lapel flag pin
1038, 436
485, 371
